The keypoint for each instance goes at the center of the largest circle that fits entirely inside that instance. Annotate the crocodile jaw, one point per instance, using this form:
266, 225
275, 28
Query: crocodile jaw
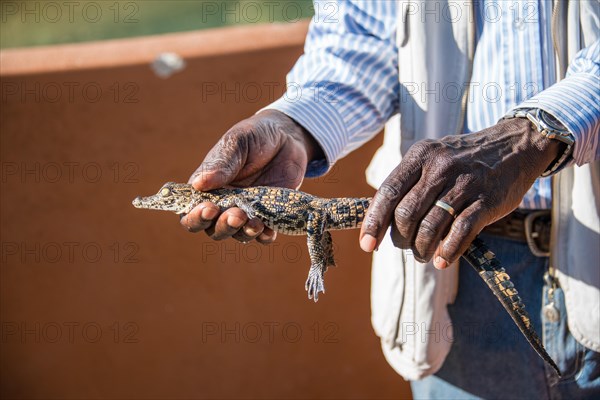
176, 197
157, 203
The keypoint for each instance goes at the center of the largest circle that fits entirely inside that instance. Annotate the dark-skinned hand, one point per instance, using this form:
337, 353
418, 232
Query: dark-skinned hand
267, 149
483, 176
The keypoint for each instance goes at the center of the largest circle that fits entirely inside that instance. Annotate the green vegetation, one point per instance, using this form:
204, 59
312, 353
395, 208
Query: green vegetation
37, 22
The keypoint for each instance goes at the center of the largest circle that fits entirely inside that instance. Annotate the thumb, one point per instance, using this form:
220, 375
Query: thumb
221, 165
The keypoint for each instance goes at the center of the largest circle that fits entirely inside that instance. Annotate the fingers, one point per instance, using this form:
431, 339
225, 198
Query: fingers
410, 212
228, 224
200, 218
463, 231
268, 236
480, 168
233, 222
250, 231
436, 223
222, 163
381, 209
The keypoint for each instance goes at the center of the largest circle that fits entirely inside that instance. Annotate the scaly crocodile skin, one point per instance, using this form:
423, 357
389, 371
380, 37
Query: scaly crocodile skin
490, 270
293, 212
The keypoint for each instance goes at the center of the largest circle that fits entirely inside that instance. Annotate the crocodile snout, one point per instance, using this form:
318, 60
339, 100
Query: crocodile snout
137, 202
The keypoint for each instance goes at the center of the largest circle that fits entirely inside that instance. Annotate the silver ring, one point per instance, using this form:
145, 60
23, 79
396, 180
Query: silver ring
446, 207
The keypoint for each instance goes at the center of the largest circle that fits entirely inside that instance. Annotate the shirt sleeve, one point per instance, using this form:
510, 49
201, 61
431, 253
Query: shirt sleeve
575, 102
345, 86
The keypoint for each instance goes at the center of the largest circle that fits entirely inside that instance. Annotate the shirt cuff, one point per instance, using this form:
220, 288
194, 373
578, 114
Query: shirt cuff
574, 102
320, 118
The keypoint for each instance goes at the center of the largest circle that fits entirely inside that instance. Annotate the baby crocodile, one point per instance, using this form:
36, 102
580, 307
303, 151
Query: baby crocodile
293, 212
290, 212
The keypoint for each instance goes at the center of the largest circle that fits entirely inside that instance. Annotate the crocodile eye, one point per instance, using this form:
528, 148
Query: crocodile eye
165, 192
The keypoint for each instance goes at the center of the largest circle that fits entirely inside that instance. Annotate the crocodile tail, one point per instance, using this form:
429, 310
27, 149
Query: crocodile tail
490, 270
361, 205
365, 201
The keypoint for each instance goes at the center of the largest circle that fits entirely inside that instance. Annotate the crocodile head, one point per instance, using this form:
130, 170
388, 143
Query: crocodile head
176, 197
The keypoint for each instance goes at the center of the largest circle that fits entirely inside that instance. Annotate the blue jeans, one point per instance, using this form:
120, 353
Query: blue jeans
491, 359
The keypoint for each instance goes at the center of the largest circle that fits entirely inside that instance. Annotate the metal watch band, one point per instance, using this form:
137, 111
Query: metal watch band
549, 127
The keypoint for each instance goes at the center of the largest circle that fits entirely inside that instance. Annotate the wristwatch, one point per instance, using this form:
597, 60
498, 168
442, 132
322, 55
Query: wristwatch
549, 127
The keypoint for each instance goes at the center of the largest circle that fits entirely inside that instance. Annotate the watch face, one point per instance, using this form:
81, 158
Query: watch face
552, 122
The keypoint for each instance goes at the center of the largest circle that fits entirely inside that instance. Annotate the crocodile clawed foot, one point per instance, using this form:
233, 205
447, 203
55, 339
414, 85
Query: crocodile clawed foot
331, 261
314, 285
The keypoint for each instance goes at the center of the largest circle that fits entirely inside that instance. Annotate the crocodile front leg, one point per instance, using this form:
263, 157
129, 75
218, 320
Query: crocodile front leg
239, 202
318, 259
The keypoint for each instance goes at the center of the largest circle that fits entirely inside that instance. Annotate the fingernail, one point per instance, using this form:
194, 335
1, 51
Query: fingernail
235, 221
440, 263
368, 243
250, 231
209, 213
196, 181
264, 237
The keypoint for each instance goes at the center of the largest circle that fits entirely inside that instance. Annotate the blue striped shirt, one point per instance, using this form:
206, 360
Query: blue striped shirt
351, 62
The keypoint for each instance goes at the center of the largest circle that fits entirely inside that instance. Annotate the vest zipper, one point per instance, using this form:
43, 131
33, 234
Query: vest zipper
555, 215
554, 23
